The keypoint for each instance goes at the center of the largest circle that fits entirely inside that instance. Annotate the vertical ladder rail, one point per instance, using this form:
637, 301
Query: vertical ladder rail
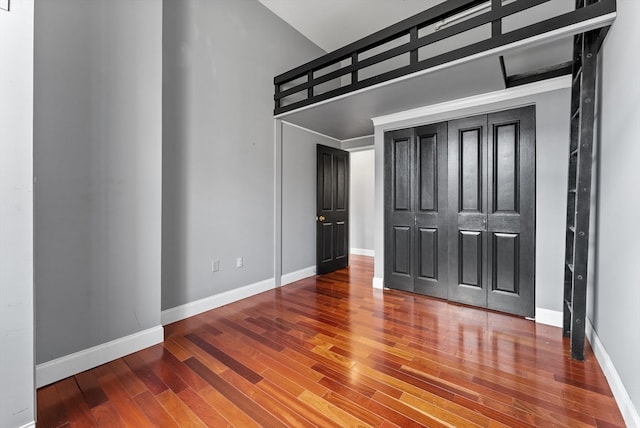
583, 97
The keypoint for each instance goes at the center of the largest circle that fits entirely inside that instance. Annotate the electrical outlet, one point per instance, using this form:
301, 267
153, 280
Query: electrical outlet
239, 262
215, 265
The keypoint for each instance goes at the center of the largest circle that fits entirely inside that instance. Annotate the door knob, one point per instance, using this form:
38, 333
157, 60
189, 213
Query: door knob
322, 218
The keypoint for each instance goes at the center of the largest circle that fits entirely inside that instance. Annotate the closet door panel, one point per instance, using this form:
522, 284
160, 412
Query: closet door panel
468, 208
511, 218
399, 205
431, 270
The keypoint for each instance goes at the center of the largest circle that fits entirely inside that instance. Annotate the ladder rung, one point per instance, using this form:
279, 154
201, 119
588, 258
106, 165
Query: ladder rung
570, 266
569, 305
572, 190
572, 228
577, 73
573, 152
575, 113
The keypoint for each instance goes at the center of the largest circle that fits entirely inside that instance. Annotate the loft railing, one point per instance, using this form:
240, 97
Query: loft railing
413, 45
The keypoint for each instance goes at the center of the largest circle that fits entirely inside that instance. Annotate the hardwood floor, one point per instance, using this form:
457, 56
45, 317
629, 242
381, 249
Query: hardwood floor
332, 351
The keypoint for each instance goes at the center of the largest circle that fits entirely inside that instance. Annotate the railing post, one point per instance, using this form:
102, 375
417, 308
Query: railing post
496, 26
310, 89
354, 64
413, 38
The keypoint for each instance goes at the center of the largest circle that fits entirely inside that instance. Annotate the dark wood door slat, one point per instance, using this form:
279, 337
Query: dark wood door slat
331, 351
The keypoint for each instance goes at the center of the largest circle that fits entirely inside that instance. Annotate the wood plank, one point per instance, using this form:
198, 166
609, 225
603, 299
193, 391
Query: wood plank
106, 416
326, 408
255, 412
126, 407
224, 358
432, 407
316, 417
273, 406
50, 412
78, 413
189, 377
93, 394
416, 415
153, 358
179, 410
227, 409
145, 374
207, 414
155, 412
127, 378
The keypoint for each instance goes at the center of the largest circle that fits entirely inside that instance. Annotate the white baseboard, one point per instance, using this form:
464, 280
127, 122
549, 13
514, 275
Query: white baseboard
549, 317
378, 283
203, 305
29, 425
288, 278
628, 410
69, 365
362, 252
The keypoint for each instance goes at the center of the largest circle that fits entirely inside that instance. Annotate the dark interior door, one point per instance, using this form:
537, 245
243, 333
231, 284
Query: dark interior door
416, 210
492, 201
332, 231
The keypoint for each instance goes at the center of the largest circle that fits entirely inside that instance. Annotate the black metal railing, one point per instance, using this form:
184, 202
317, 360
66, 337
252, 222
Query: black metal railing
342, 71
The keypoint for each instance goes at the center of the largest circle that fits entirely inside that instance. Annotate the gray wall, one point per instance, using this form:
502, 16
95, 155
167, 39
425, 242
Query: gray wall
616, 295
218, 142
362, 208
299, 196
16, 216
552, 131
97, 142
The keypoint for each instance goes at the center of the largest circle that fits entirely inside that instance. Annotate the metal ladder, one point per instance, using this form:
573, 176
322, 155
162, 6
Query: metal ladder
583, 97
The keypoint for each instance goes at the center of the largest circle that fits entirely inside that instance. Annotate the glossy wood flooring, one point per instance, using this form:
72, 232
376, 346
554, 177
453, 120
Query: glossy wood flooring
332, 351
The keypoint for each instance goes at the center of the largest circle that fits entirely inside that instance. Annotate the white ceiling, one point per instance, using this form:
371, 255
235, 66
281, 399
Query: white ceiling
332, 24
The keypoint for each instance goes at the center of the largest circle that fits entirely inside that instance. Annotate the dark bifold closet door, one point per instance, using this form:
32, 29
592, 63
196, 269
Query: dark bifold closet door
460, 210
492, 206
416, 210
